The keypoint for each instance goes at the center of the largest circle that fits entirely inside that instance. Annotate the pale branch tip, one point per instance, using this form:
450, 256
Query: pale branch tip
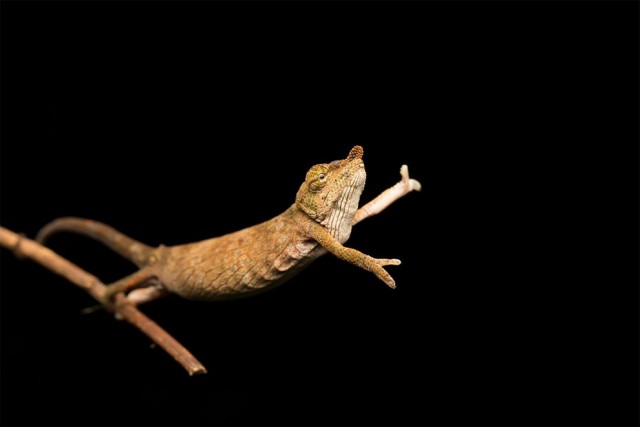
412, 184
390, 195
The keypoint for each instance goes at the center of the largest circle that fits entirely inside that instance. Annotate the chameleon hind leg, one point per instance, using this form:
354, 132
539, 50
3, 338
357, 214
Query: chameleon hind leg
136, 297
114, 293
132, 281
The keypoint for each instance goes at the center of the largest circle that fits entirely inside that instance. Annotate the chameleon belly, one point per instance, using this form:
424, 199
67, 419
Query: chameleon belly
239, 264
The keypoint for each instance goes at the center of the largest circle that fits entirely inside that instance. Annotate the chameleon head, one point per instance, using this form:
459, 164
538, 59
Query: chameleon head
331, 192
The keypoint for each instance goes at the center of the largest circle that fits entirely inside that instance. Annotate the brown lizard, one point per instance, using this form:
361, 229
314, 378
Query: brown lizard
260, 257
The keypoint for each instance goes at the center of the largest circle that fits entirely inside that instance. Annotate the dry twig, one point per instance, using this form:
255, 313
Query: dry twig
122, 308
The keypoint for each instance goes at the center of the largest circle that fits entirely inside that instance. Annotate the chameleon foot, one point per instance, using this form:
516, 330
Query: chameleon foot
145, 295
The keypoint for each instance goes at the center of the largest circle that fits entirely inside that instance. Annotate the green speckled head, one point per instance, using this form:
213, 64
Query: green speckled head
332, 190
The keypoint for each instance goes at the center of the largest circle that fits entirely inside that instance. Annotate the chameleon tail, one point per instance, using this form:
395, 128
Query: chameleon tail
133, 250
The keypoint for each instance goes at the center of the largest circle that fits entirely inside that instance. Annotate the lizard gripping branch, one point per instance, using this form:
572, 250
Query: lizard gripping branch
251, 260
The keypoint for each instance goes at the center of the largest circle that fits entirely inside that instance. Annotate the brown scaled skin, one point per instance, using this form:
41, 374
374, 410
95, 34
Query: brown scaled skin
260, 257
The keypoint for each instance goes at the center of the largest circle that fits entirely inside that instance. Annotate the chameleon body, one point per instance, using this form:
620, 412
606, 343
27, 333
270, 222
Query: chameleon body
256, 258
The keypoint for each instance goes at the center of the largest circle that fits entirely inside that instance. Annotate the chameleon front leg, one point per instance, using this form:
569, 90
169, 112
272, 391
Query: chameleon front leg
353, 256
388, 196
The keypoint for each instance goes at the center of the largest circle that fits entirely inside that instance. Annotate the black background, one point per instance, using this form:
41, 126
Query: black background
517, 297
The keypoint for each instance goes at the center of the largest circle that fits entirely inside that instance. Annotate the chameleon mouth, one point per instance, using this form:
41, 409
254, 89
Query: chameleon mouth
340, 217
355, 153
359, 177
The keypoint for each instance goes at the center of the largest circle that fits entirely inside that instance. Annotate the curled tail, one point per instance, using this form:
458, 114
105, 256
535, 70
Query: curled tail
133, 250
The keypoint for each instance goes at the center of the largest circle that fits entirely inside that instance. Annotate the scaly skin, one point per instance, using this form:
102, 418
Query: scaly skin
260, 257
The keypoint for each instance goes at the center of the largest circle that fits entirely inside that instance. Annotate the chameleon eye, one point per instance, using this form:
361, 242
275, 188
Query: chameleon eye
321, 176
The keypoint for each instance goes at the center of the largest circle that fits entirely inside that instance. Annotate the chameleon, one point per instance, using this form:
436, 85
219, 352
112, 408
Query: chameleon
259, 257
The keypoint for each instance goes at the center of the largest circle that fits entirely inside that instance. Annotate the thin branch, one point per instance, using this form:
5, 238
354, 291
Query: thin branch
122, 308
